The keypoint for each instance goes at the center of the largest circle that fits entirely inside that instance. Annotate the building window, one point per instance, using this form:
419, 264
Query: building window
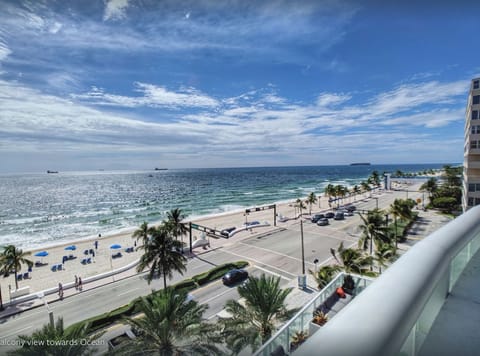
474, 130
470, 201
471, 187
474, 114
475, 84
476, 99
477, 187
473, 144
477, 201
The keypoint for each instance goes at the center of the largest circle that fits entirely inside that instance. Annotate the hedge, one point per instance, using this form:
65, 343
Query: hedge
101, 321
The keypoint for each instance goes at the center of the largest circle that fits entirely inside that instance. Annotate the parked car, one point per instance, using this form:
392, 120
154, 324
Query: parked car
348, 213
351, 208
234, 276
317, 217
329, 215
339, 216
226, 232
322, 222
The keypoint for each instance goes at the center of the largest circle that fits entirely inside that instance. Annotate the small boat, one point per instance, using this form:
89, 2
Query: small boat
161, 169
50, 172
360, 164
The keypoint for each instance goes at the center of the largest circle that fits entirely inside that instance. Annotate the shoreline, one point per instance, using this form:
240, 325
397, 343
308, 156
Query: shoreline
284, 203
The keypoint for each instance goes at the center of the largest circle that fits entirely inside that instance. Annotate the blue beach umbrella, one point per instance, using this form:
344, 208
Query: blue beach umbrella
115, 246
71, 248
41, 254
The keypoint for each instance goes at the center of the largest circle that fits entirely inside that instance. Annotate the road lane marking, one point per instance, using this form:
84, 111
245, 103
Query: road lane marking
216, 296
17, 332
275, 274
128, 291
260, 262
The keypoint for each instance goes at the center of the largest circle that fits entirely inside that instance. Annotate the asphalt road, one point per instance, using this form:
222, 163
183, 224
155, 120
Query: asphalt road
278, 254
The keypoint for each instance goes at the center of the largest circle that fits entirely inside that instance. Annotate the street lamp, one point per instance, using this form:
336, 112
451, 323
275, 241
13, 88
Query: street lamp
315, 261
302, 280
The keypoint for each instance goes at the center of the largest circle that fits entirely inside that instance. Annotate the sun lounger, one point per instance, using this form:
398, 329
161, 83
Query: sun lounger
54, 268
117, 255
59, 267
85, 252
19, 277
83, 261
26, 275
89, 260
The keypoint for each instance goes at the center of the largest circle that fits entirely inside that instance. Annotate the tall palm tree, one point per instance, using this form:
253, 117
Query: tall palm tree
356, 190
172, 325
383, 254
330, 192
373, 230
162, 256
63, 342
174, 222
400, 208
143, 232
324, 275
352, 260
365, 186
311, 199
430, 186
252, 323
12, 258
300, 206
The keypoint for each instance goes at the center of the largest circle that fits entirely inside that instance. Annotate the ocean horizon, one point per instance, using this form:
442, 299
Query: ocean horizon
40, 209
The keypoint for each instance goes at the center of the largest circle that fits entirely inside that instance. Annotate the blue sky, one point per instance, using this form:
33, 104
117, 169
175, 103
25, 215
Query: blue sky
137, 84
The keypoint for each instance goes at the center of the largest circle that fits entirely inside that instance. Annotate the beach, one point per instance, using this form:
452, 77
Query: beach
42, 278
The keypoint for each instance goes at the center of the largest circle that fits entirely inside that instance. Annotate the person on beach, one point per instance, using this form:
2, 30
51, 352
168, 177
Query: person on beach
76, 282
80, 284
96, 245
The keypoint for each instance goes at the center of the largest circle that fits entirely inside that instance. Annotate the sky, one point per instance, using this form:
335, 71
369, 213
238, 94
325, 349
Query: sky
138, 84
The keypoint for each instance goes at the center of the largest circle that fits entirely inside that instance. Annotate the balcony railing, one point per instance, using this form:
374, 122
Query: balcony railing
301, 321
395, 313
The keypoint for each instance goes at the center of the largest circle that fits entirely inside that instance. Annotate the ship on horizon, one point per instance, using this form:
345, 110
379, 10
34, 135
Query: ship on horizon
50, 172
161, 169
360, 164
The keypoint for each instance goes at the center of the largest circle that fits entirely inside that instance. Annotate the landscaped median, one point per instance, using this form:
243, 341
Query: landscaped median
106, 319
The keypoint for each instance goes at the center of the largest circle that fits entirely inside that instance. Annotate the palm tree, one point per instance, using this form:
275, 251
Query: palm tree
252, 323
301, 206
12, 258
324, 275
384, 253
373, 230
64, 342
352, 260
174, 222
311, 199
356, 190
430, 186
400, 209
330, 192
143, 232
162, 256
365, 186
172, 325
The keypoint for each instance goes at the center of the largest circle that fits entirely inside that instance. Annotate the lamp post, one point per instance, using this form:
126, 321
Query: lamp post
315, 261
376, 201
302, 280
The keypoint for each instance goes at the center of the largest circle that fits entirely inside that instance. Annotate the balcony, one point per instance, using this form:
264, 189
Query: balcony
425, 304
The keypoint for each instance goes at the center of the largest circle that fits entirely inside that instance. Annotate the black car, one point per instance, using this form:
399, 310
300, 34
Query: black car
351, 208
329, 215
233, 276
322, 222
317, 217
339, 215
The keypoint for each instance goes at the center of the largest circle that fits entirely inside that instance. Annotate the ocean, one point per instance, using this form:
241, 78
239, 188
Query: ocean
44, 209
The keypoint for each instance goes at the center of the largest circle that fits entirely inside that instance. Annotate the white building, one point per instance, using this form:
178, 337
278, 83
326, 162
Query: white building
471, 164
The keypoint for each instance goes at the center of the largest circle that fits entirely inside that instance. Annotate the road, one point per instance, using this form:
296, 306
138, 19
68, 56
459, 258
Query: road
277, 254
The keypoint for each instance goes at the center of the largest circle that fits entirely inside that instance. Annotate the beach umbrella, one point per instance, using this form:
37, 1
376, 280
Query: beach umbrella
115, 246
71, 248
41, 254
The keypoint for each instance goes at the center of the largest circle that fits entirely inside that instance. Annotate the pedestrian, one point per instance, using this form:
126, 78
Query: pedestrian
76, 282
96, 245
135, 243
93, 253
60, 290
99, 235
80, 283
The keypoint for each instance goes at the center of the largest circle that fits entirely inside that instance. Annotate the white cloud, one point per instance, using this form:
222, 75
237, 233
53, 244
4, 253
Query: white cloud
115, 9
153, 96
329, 99
4, 51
